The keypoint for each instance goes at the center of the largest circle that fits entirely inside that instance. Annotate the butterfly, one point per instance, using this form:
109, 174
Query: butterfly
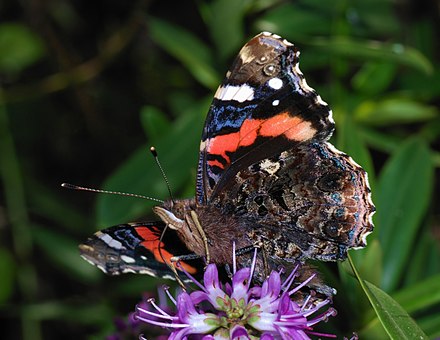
267, 178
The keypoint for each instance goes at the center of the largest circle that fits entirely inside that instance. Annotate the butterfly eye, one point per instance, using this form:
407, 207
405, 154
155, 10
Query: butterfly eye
270, 70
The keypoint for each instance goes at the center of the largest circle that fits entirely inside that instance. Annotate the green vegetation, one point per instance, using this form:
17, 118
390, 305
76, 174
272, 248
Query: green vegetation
87, 87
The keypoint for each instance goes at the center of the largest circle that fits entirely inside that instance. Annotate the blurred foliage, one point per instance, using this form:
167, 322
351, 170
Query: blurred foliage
86, 87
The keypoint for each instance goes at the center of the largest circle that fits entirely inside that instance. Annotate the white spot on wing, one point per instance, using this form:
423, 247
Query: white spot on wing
287, 43
275, 102
364, 237
270, 167
127, 259
305, 87
130, 270
240, 93
246, 55
87, 258
330, 116
276, 36
339, 152
320, 101
275, 83
110, 241
100, 267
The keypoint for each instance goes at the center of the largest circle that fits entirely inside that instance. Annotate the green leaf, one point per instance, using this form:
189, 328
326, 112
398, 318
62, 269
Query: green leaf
394, 319
373, 18
431, 130
383, 141
297, 23
154, 122
352, 291
425, 258
50, 204
351, 142
369, 261
374, 78
394, 111
63, 251
374, 50
227, 38
139, 174
89, 314
189, 50
20, 47
7, 270
402, 197
421, 85
430, 325
419, 296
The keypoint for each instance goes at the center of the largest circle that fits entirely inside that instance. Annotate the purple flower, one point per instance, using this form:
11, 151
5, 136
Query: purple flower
238, 310
130, 327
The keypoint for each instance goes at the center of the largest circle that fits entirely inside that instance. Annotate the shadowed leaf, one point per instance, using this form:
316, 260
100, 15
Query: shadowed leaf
403, 195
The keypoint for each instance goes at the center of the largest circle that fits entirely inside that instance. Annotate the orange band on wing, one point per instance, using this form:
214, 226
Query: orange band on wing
221, 144
293, 128
151, 242
216, 163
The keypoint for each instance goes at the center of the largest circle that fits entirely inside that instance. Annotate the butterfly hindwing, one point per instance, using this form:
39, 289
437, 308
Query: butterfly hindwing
136, 248
316, 196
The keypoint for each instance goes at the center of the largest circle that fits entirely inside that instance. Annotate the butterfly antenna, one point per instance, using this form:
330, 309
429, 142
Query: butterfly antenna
156, 158
77, 187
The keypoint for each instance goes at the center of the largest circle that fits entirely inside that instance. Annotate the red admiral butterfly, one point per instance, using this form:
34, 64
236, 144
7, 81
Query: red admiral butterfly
267, 178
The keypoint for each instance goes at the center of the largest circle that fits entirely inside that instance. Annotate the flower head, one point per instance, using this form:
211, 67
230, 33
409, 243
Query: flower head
240, 310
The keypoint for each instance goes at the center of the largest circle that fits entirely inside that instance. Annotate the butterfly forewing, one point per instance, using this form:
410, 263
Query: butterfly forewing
136, 248
264, 106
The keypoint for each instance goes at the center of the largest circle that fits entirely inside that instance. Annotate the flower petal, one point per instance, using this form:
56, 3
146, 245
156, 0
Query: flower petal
213, 288
240, 284
238, 332
264, 322
272, 286
267, 336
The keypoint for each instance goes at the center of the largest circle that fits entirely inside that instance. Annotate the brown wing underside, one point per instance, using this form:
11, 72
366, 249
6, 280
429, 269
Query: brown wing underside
312, 201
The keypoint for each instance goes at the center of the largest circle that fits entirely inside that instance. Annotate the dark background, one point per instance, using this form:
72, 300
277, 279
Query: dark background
87, 86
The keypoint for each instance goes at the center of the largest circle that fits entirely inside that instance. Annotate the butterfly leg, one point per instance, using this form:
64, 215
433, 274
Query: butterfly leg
176, 275
244, 250
185, 257
176, 259
265, 261
202, 234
